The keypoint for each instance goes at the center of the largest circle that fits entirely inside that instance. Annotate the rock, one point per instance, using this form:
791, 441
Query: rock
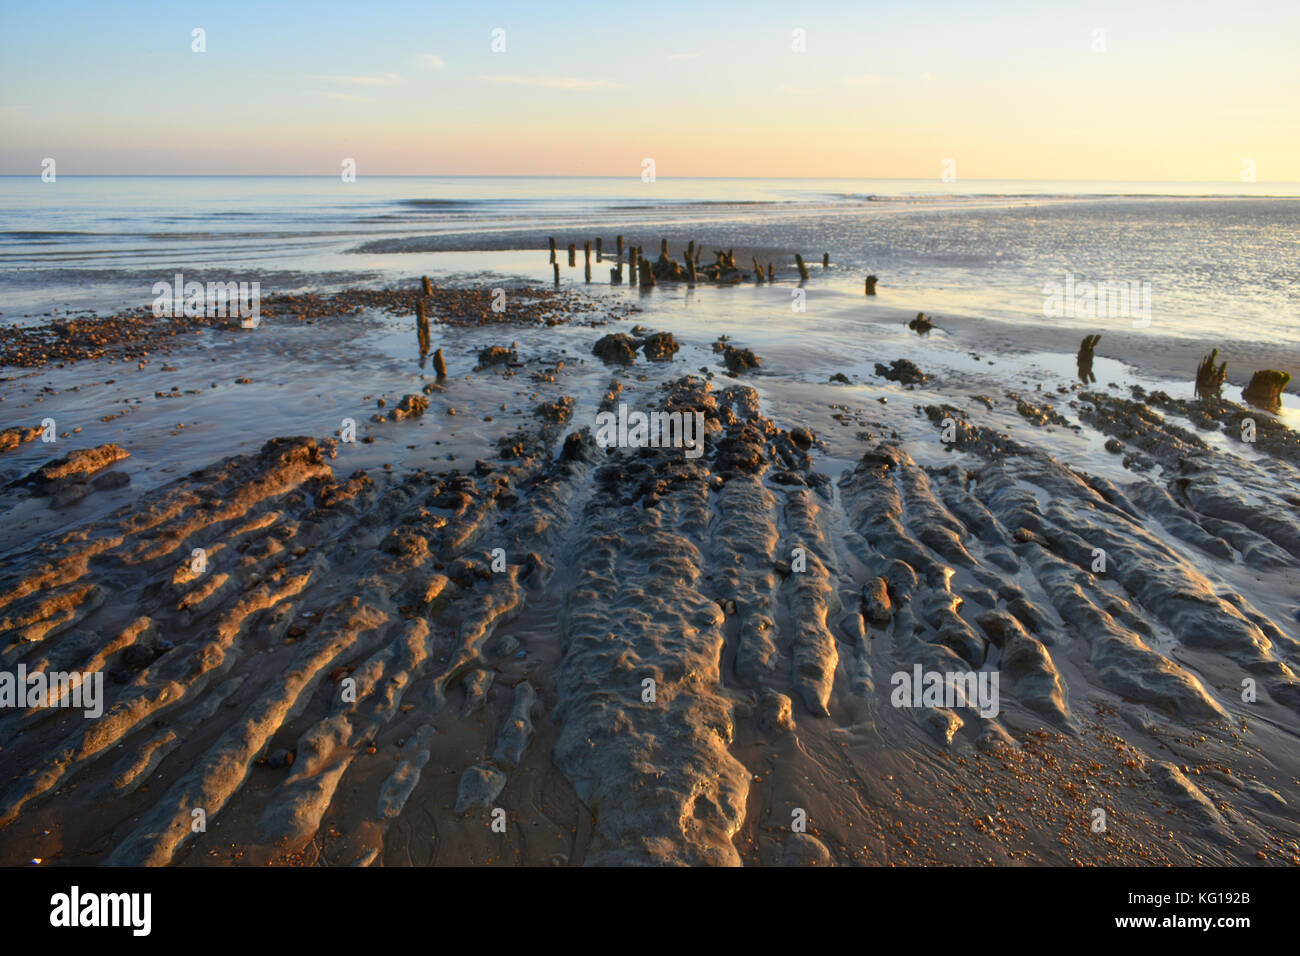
11, 438
921, 324
480, 785
876, 606
802, 438
775, 713
803, 849
69, 494
739, 360
841, 378
903, 372
78, 464
660, 347
439, 364
280, 758
111, 481
410, 406
615, 349
496, 355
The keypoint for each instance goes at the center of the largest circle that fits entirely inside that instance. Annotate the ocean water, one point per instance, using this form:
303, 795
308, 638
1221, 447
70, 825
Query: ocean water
1214, 259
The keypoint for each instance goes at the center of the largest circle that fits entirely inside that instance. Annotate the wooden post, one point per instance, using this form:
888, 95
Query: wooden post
552, 248
428, 286
588, 270
586, 251
871, 285
439, 364
556, 267
690, 250
803, 268
758, 271
690, 270
422, 326
573, 255
771, 273
616, 275
619, 240
663, 248
600, 251
826, 260
647, 276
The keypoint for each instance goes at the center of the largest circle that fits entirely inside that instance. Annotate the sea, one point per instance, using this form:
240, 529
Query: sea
1212, 258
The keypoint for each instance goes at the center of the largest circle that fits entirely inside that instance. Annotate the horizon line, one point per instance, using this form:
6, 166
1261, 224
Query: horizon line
635, 177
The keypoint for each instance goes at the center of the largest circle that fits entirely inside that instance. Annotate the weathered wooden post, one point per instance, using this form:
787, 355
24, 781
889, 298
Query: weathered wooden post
573, 255
663, 248
758, 270
552, 248
619, 240
439, 364
556, 267
600, 251
871, 285
587, 270
428, 286
586, 251
803, 268
422, 326
826, 260
647, 275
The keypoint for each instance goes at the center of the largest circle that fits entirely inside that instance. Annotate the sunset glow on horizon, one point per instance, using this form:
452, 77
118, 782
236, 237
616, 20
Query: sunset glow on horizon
1007, 91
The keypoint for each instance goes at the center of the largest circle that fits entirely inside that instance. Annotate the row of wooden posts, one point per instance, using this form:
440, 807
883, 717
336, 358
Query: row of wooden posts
642, 271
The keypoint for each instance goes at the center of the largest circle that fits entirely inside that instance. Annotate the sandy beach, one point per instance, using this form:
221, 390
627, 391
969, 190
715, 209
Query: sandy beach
372, 646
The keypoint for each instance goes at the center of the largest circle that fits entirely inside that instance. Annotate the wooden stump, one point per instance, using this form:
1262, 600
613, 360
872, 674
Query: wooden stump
871, 285
803, 268
422, 326
573, 255
552, 248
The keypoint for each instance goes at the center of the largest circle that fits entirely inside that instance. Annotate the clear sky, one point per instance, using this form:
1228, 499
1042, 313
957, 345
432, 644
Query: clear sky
1166, 91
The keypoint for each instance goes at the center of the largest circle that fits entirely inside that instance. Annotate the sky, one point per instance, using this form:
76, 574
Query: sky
1180, 91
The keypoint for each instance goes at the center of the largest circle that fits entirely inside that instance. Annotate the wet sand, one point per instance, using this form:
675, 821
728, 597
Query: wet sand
357, 676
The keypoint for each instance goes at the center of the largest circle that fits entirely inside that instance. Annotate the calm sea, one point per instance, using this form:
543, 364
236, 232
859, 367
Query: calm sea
1217, 258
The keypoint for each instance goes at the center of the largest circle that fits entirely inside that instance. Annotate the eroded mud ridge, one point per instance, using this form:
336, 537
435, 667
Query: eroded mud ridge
575, 654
